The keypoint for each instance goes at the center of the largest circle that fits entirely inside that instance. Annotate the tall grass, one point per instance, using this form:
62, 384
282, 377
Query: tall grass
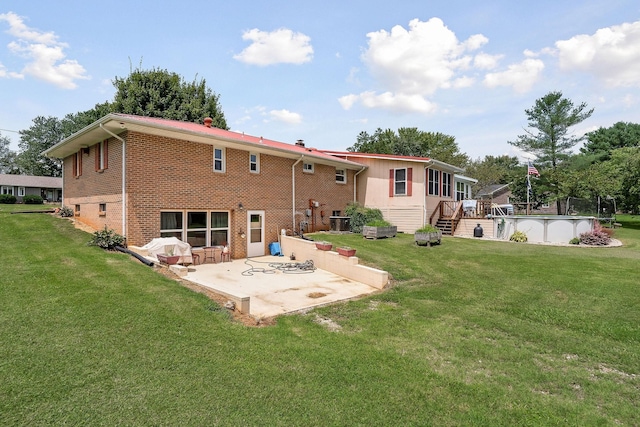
471, 333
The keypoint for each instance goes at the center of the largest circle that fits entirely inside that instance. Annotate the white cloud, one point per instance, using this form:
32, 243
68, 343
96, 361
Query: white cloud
484, 61
285, 116
9, 74
44, 53
412, 64
279, 46
611, 54
520, 76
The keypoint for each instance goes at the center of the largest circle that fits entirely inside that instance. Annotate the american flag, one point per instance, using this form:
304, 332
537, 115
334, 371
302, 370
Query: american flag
532, 170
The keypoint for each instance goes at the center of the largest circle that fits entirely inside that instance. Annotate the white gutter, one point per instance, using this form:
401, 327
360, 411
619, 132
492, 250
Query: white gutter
355, 182
293, 191
124, 175
424, 193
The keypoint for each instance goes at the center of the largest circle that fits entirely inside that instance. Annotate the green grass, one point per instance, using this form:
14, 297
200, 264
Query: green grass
471, 333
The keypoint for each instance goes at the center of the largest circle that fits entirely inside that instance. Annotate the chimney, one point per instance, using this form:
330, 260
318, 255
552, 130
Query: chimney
208, 121
300, 143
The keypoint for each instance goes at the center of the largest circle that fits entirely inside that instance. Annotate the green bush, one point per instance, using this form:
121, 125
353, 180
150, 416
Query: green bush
66, 212
361, 215
427, 228
106, 239
32, 199
7, 199
518, 236
574, 241
378, 223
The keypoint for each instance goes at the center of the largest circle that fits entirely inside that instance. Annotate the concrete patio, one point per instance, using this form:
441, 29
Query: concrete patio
270, 285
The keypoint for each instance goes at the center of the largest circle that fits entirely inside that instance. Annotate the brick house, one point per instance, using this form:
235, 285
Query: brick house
408, 190
47, 187
149, 177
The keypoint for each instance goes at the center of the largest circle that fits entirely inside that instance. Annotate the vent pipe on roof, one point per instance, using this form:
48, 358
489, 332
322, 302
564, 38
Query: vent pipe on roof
300, 143
208, 121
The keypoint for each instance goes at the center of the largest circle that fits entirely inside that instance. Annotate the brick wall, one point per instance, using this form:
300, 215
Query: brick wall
171, 174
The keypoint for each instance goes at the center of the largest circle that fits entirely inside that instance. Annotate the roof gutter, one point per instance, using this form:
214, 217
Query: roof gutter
293, 191
124, 175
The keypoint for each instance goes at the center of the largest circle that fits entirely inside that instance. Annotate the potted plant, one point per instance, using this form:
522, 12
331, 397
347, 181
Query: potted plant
168, 257
324, 246
346, 251
428, 235
378, 229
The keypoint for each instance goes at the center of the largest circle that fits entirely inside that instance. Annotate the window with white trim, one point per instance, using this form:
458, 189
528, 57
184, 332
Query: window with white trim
21, 192
341, 176
307, 167
101, 156
198, 228
219, 229
254, 163
7, 190
400, 182
461, 191
446, 184
77, 164
171, 224
434, 182
219, 159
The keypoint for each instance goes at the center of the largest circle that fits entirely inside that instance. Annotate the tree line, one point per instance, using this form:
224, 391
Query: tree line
607, 165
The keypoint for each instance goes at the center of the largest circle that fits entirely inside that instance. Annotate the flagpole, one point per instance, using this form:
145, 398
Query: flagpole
528, 191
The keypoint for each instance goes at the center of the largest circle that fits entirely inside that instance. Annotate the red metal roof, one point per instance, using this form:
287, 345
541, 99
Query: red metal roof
376, 156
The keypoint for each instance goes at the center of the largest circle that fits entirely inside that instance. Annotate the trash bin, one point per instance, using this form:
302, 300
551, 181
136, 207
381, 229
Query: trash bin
477, 232
274, 249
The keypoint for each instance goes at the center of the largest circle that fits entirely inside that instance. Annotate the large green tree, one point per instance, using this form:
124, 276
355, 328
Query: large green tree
493, 170
43, 134
411, 142
548, 137
8, 163
603, 141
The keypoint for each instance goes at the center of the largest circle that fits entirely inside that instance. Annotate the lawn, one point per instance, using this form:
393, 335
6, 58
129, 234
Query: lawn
471, 333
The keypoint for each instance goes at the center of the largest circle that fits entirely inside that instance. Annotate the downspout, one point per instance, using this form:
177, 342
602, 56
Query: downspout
293, 191
424, 193
124, 173
355, 183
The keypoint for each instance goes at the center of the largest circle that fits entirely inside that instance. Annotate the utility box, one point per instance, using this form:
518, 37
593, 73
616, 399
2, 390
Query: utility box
340, 223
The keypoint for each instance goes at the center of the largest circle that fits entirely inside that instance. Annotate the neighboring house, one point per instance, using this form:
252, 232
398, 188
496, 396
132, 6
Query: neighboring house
47, 187
149, 177
408, 190
496, 193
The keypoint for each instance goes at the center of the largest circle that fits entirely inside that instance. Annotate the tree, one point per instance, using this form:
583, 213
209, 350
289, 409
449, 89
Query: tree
43, 134
159, 93
549, 140
411, 142
8, 162
493, 170
604, 140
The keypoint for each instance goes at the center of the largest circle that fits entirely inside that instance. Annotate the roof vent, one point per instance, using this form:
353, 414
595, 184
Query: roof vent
300, 143
208, 121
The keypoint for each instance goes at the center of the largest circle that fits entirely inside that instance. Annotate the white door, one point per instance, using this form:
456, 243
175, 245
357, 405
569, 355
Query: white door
255, 233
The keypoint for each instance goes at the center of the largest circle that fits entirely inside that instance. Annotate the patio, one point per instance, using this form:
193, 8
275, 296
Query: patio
270, 285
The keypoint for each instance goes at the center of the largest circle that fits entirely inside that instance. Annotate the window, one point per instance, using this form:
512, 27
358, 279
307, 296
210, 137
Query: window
77, 164
219, 228
21, 191
400, 182
254, 163
307, 167
77, 209
341, 176
7, 190
201, 228
218, 160
103, 208
101, 156
434, 182
446, 184
461, 191
171, 224
197, 228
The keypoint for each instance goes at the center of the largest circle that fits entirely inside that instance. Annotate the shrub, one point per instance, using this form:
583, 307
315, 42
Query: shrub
427, 228
595, 238
32, 199
7, 199
518, 236
66, 212
574, 241
361, 216
378, 223
106, 239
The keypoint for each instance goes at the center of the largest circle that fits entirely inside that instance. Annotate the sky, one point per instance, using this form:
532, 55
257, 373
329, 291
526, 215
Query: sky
325, 71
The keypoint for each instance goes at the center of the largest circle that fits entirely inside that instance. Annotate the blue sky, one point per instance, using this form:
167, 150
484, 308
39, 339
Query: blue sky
324, 71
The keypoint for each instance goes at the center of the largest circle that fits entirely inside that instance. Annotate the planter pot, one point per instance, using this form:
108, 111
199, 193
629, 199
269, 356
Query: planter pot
371, 232
346, 252
324, 246
168, 259
428, 238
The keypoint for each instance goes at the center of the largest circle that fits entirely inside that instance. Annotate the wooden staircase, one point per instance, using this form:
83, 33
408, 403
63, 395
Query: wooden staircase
447, 225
